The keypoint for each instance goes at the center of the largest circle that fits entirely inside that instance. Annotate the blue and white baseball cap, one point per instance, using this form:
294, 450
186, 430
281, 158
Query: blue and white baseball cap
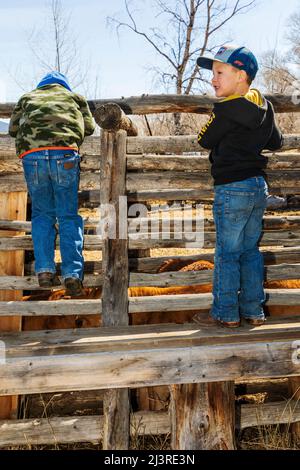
239, 57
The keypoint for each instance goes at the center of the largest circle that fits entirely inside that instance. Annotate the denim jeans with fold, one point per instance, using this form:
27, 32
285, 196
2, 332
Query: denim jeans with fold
239, 269
52, 178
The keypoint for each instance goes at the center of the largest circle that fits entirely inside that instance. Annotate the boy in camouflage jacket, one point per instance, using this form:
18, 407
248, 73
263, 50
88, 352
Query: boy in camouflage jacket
49, 124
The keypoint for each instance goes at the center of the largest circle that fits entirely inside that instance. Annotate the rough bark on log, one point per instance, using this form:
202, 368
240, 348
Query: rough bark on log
203, 416
111, 118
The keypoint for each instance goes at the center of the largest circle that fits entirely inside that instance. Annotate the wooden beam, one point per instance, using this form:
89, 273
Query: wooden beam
155, 239
155, 303
190, 163
184, 143
137, 181
170, 103
115, 275
135, 356
63, 430
71, 429
269, 222
167, 279
264, 414
160, 186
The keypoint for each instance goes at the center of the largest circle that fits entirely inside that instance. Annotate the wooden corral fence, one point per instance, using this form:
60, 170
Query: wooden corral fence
199, 364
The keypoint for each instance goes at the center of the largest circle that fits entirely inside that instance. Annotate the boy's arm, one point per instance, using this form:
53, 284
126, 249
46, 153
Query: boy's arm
89, 123
214, 130
276, 139
14, 120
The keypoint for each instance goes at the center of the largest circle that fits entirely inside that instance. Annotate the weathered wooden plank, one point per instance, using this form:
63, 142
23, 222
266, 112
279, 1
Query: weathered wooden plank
94, 242
25, 226
265, 414
154, 162
72, 429
55, 307
170, 103
150, 162
167, 279
148, 145
146, 356
115, 269
185, 143
282, 255
155, 303
269, 222
137, 181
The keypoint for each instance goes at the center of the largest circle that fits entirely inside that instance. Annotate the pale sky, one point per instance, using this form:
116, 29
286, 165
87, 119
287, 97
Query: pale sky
120, 63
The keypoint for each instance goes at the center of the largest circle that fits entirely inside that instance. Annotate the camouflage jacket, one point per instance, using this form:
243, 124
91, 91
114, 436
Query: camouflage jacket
50, 116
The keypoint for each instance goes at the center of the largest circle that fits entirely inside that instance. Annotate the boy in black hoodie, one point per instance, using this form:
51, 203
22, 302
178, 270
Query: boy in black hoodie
241, 125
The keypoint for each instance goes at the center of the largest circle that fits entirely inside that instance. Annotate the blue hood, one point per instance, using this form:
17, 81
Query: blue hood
54, 77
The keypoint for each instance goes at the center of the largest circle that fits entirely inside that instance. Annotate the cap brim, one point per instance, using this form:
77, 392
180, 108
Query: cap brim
205, 63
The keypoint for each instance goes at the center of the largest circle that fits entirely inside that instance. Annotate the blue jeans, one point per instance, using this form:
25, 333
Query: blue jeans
52, 178
239, 269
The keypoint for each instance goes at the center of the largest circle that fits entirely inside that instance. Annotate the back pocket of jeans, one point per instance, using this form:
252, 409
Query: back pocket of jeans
67, 170
30, 172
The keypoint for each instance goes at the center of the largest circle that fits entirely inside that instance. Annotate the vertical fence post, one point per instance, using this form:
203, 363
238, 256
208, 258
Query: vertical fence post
294, 392
115, 127
115, 276
12, 207
203, 416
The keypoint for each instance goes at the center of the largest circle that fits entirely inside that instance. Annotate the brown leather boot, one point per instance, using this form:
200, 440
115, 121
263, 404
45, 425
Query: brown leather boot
48, 279
73, 286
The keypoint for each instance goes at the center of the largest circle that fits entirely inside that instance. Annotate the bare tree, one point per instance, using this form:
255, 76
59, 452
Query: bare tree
276, 75
55, 47
293, 36
190, 29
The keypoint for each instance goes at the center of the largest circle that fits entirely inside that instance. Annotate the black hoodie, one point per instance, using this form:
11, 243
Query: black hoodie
239, 128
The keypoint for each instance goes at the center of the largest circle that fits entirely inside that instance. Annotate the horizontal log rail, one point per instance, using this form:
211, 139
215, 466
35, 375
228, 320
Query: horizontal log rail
149, 104
158, 240
155, 182
63, 430
167, 279
143, 304
185, 143
135, 356
144, 145
288, 222
282, 255
152, 162
70, 429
